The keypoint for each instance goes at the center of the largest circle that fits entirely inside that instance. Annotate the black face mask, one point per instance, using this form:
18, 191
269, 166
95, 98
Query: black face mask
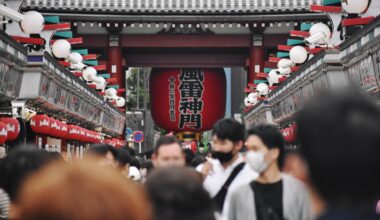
222, 156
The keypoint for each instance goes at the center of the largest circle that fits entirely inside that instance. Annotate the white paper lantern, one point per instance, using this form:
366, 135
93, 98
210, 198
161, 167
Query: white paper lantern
98, 79
321, 28
89, 74
120, 102
61, 48
78, 66
110, 92
284, 72
355, 6
262, 89
32, 23
247, 103
273, 77
75, 58
252, 98
298, 54
285, 63
100, 83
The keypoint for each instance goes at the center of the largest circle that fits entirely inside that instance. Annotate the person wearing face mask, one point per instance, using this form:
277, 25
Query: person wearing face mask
227, 170
273, 195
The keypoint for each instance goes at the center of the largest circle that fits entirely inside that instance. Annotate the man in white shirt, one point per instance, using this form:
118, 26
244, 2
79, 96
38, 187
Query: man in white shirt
227, 170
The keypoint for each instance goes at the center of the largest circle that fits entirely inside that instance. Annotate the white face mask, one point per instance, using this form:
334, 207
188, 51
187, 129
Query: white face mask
256, 161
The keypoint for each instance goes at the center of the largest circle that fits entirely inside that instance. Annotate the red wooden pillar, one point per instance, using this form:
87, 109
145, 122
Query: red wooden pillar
256, 57
115, 61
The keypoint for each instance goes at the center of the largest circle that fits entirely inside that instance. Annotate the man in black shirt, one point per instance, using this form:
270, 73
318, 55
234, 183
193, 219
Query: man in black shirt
270, 194
273, 195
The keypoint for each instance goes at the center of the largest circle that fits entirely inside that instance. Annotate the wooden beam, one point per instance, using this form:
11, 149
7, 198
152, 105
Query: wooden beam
185, 41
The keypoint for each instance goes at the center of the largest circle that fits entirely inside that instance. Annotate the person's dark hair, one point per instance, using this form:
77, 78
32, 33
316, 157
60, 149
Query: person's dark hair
148, 154
132, 151
339, 136
229, 129
271, 137
135, 162
56, 156
18, 165
177, 193
148, 164
166, 140
123, 157
102, 149
199, 159
189, 156
99, 149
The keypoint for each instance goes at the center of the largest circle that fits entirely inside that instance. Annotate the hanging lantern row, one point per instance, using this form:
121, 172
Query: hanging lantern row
9, 129
115, 142
298, 53
61, 49
43, 124
313, 40
32, 22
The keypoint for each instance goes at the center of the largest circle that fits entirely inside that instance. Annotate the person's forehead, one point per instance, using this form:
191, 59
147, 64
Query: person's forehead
215, 138
254, 140
170, 148
109, 154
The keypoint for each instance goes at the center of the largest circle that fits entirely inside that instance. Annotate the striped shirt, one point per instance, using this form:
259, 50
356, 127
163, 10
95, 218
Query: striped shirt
4, 204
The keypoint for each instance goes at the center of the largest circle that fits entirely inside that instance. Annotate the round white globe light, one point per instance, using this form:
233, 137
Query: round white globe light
285, 63
262, 89
247, 103
355, 6
32, 23
78, 66
252, 96
120, 102
89, 74
111, 92
321, 28
100, 83
273, 77
75, 58
99, 79
114, 97
61, 48
298, 54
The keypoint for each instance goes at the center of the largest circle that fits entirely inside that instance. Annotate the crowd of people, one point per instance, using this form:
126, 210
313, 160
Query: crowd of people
248, 174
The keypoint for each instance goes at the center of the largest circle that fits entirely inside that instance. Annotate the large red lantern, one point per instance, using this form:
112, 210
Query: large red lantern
188, 99
289, 133
40, 124
3, 133
13, 128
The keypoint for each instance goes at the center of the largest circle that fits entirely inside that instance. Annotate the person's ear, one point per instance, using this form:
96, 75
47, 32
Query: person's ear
238, 145
154, 159
274, 153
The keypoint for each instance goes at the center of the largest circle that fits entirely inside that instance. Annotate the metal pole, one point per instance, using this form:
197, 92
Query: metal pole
138, 90
140, 147
145, 89
145, 126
